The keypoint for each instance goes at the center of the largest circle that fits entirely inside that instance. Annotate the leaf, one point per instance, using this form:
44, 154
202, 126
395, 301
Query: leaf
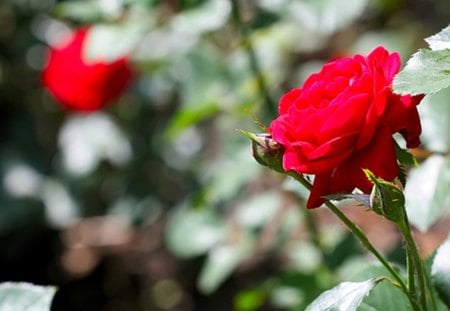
259, 210
306, 286
441, 40
363, 199
204, 89
385, 296
347, 296
425, 72
221, 262
426, 192
188, 116
250, 300
192, 232
25, 296
344, 250
198, 20
434, 112
236, 169
404, 156
440, 271
109, 42
85, 11
326, 16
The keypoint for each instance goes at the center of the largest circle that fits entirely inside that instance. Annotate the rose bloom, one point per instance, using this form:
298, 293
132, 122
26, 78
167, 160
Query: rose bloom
80, 85
341, 121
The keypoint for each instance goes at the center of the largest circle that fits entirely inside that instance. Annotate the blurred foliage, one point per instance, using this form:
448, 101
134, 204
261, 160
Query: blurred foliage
155, 203
440, 270
24, 296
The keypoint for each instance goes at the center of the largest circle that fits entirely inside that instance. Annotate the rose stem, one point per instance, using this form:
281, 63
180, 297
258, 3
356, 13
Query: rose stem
414, 264
360, 235
254, 64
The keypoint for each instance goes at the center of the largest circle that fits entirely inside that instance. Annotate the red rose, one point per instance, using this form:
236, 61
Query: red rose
79, 85
342, 120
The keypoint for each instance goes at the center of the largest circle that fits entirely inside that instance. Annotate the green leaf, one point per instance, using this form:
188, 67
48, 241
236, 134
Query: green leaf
326, 16
188, 116
347, 296
441, 40
426, 192
192, 232
425, 72
428, 263
204, 89
259, 210
198, 20
434, 112
25, 296
385, 296
85, 11
250, 300
221, 262
346, 248
404, 156
440, 271
109, 42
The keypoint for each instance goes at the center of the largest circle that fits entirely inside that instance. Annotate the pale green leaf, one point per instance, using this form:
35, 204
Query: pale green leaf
259, 210
326, 16
440, 271
204, 89
425, 72
85, 11
236, 169
192, 232
440, 41
25, 296
109, 42
434, 111
426, 191
188, 116
361, 199
385, 296
347, 296
207, 17
221, 262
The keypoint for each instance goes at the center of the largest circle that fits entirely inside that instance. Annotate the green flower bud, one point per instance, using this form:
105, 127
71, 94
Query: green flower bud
387, 199
266, 151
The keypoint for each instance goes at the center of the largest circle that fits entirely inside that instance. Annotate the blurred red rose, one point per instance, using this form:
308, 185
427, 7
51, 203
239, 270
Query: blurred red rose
82, 86
342, 121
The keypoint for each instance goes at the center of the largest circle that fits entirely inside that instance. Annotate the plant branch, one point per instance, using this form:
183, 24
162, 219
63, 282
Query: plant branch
416, 273
361, 237
254, 64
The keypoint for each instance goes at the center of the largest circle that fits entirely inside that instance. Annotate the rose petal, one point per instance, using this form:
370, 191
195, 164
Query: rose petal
379, 157
287, 100
347, 117
321, 187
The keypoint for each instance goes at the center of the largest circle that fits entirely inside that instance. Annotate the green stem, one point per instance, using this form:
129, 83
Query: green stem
361, 237
411, 276
254, 64
312, 228
416, 273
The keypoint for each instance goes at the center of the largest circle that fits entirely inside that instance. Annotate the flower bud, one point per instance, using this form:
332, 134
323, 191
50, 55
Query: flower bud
386, 199
266, 151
